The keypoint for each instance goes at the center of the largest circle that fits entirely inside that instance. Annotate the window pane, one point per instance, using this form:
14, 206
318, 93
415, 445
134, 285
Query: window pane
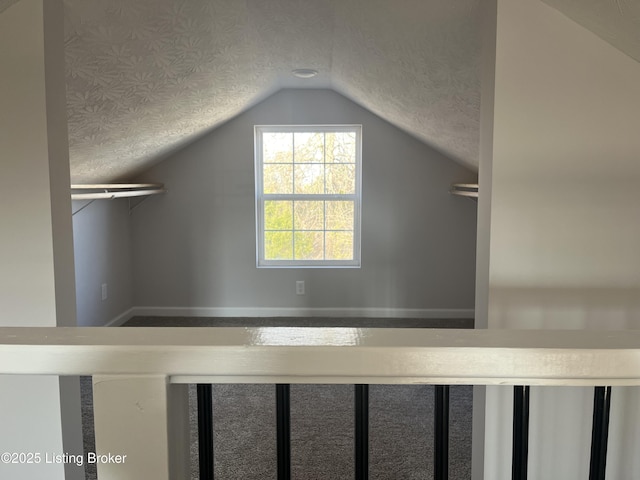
309, 245
341, 178
341, 147
309, 147
309, 215
278, 245
278, 178
339, 246
340, 215
277, 147
309, 179
308, 192
278, 215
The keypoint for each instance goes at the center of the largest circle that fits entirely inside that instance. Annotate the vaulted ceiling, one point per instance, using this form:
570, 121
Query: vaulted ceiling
615, 21
145, 77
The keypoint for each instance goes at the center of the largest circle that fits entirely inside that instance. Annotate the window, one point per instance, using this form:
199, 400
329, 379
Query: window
308, 195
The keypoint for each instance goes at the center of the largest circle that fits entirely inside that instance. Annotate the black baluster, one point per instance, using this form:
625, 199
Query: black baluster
283, 430
600, 432
205, 431
362, 431
441, 433
520, 433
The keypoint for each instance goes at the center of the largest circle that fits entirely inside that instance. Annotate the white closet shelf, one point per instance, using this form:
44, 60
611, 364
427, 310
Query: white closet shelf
97, 191
465, 189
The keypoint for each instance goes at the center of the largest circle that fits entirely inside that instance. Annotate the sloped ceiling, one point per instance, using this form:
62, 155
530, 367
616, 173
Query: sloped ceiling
615, 21
145, 77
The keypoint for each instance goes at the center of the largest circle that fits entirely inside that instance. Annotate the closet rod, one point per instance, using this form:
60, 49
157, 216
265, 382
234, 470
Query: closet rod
111, 195
114, 190
465, 189
114, 186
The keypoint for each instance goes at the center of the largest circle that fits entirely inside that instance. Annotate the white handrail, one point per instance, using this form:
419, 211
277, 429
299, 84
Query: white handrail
133, 370
328, 355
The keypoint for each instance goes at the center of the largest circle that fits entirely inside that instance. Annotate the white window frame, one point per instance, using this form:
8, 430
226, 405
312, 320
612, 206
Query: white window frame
260, 197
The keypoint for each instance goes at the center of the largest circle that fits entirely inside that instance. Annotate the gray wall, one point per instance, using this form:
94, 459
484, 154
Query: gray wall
195, 246
102, 242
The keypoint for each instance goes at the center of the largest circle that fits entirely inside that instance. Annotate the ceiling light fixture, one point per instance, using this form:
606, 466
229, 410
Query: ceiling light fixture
304, 72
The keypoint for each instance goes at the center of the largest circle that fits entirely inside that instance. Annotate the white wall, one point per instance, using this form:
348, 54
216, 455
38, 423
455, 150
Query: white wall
565, 223
102, 242
36, 252
483, 240
26, 255
195, 246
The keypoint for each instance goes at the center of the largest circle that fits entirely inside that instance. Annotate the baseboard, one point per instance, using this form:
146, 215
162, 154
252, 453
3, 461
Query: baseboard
121, 319
441, 313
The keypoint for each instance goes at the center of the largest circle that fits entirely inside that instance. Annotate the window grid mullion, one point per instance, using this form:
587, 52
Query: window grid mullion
293, 164
293, 192
310, 197
293, 228
324, 230
324, 190
324, 203
308, 230
354, 198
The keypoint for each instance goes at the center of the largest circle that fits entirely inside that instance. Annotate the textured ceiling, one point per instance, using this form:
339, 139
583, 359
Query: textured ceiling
145, 77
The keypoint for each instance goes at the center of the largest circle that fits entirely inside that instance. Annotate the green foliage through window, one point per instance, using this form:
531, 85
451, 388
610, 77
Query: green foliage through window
309, 198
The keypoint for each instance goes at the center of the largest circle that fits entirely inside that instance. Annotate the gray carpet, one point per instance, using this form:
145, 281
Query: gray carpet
322, 419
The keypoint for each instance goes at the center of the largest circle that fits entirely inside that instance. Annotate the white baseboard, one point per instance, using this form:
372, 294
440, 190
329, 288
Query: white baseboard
442, 313
121, 319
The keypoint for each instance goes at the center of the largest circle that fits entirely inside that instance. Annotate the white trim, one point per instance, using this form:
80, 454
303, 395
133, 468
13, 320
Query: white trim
329, 355
121, 319
429, 313
261, 197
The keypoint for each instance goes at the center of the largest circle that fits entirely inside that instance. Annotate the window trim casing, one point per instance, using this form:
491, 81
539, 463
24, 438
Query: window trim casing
261, 262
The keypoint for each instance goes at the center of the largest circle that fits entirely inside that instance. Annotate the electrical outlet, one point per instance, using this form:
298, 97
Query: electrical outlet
105, 293
300, 287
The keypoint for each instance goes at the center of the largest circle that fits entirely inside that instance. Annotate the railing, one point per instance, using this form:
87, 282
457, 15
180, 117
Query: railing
138, 374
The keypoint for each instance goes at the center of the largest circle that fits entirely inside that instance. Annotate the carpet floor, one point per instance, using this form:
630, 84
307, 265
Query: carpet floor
322, 419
